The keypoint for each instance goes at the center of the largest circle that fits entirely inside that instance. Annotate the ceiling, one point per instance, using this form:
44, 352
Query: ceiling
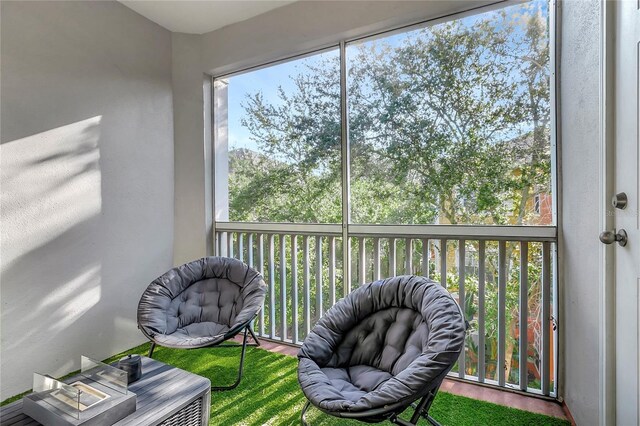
198, 17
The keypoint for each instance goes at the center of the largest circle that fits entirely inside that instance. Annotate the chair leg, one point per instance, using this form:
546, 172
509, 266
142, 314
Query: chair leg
425, 405
244, 349
421, 409
401, 422
153, 346
304, 410
432, 421
255, 338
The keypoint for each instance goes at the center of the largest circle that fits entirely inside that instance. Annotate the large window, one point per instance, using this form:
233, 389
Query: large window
439, 124
448, 124
283, 127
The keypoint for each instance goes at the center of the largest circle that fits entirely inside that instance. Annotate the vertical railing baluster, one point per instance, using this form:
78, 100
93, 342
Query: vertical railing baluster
318, 277
443, 263
425, 258
461, 301
376, 259
305, 287
261, 270
250, 250
502, 301
346, 264
362, 261
332, 270
408, 256
272, 288
241, 246
250, 258
481, 311
545, 322
392, 257
229, 244
524, 308
294, 288
283, 288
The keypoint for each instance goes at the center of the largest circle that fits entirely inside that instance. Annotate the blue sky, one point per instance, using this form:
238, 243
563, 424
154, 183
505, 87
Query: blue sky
265, 80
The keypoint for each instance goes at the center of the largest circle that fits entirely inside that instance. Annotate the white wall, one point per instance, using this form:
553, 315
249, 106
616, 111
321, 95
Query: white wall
86, 181
580, 139
191, 201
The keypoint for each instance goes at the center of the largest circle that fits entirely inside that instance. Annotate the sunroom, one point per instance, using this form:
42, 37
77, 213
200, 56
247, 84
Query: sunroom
488, 146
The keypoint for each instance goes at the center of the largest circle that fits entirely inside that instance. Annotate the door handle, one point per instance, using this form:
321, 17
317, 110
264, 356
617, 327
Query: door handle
610, 237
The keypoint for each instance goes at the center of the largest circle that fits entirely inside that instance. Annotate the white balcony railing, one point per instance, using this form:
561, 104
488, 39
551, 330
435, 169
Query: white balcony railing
502, 276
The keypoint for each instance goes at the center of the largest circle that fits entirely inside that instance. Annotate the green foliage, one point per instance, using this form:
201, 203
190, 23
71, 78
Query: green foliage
449, 124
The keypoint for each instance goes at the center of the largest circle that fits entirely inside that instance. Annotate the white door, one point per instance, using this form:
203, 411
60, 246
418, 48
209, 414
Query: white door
627, 180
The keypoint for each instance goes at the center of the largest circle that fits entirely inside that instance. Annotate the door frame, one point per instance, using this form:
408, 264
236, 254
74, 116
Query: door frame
606, 311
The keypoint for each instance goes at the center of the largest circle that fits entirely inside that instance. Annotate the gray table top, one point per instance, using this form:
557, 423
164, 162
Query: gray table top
162, 391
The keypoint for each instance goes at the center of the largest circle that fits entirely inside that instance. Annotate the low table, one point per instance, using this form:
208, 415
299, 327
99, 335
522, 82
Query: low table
166, 396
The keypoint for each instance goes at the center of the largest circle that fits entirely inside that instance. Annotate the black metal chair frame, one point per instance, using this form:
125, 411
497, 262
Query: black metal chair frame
229, 335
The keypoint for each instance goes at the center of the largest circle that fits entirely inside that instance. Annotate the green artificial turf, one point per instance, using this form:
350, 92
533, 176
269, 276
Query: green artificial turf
269, 393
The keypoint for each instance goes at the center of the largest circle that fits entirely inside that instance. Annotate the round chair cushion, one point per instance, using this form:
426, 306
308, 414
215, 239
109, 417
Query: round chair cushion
388, 341
201, 303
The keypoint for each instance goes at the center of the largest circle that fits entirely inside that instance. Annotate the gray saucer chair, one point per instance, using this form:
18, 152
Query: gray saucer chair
386, 346
202, 303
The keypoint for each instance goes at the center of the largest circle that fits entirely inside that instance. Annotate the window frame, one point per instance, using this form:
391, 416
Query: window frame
345, 147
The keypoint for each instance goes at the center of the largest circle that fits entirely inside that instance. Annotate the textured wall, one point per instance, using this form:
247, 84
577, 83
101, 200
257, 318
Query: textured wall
189, 138
86, 181
580, 138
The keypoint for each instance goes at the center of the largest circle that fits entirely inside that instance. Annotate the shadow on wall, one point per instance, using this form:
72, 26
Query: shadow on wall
51, 264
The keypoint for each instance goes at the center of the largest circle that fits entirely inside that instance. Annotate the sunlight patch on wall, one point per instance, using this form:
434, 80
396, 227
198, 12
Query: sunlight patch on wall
51, 182
65, 297
62, 307
86, 296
